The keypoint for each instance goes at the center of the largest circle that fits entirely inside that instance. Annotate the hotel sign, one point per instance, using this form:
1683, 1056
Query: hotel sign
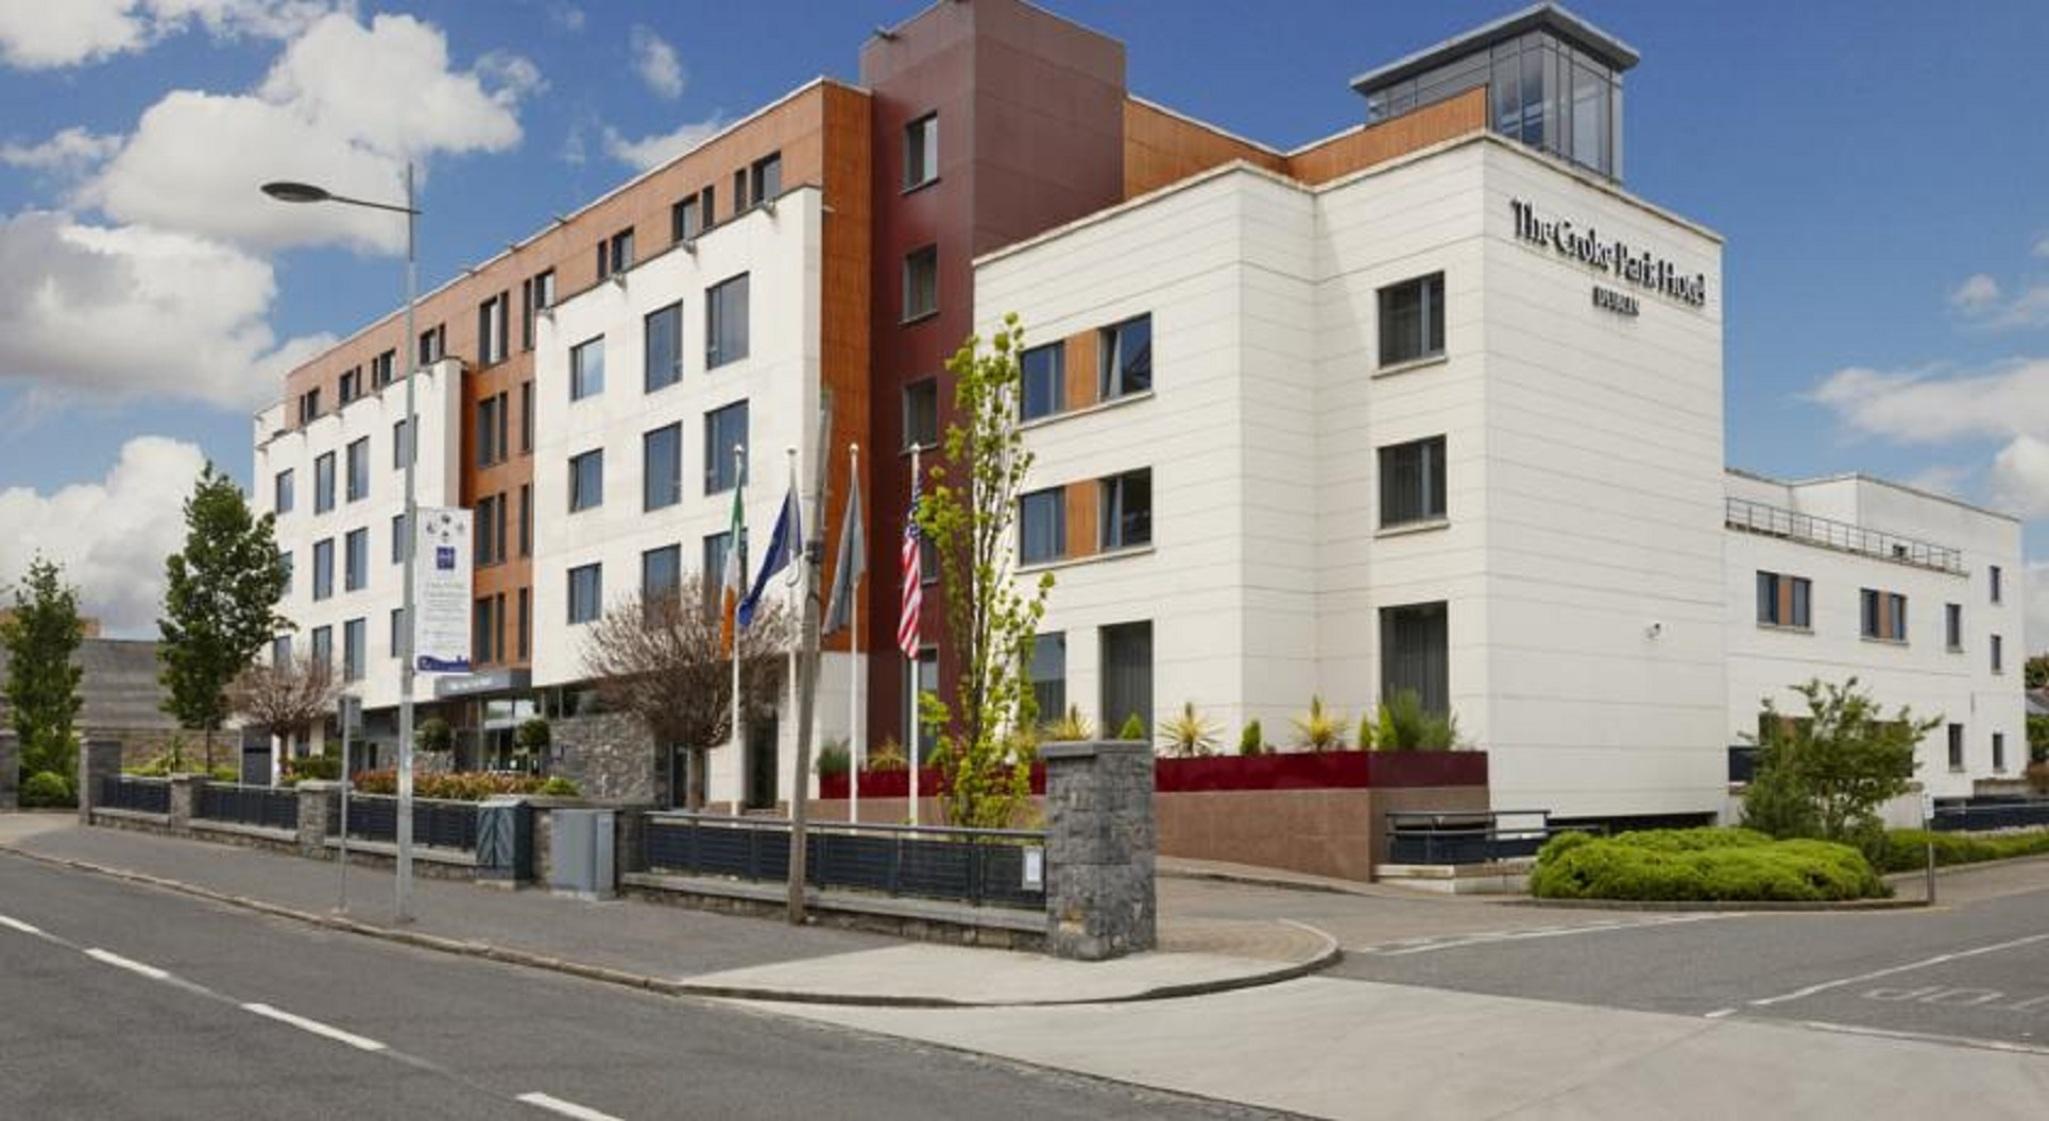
441, 583
1625, 262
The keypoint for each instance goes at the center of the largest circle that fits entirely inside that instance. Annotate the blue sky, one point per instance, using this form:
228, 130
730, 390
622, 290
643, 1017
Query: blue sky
1877, 170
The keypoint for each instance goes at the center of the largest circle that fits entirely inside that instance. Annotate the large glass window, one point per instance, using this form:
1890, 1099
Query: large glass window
1543, 91
661, 467
323, 647
586, 593
359, 469
587, 369
1125, 362
765, 179
587, 480
323, 568
1412, 320
323, 483
615, 253
1044, 373
1042, 526
661, 572
921, 151
281, 493
353, 642
1127, 513
1127, 675
1412, 482
1415, 654
1784, 601
1884, 615
356, 560
493, 338
921, 283
725, 322
1049, 674
664, 334
724, 430
490, 530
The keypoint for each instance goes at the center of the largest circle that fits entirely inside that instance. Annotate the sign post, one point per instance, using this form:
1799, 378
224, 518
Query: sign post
439, 626
1928, 835
351, 719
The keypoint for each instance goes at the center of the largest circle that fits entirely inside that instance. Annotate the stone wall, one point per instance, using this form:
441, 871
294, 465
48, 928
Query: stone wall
1101, 841
610, 758
10, 769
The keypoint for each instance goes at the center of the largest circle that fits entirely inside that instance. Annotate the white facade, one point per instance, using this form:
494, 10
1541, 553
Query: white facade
374, 418
779, 379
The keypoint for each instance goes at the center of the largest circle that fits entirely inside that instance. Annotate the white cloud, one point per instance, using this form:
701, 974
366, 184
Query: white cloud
1920, 407
2036, 588
45, 34
110, 536
343, 106
2020, 479
2042, 246
70, 151
656, 62
1975, 294
568, 17
653, 151
128, 311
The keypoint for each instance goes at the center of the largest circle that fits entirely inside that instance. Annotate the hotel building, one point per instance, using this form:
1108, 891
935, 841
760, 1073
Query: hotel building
1433, 404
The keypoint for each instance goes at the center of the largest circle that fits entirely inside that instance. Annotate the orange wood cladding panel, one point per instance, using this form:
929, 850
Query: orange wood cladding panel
1082, 500
1080, 370
1378, 143
844, 326
1161, 148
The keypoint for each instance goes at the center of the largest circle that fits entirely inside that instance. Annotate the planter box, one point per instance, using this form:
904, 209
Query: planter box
1328, 770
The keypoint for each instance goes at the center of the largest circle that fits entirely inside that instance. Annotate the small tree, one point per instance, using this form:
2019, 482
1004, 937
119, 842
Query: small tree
1828, 772
1189, 734
2036, 671
220, 603
285, 701
40, 635
661, 659
1252, 741
531, 740
434, 735
991, 621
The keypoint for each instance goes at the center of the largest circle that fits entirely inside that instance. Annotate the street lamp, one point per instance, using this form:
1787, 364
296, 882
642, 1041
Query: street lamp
287, 191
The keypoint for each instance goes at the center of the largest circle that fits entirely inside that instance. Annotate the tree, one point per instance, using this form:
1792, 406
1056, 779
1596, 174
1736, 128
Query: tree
220, 603
661, 659
2036, 671
1828, 772
284, 701
40, 635
984, 761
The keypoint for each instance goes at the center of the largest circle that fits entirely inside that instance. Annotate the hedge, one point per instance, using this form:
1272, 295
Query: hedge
464, 786
1906, 850
47, 789
1722, 865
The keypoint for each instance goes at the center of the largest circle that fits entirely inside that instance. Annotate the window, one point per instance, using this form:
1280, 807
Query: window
381, 368
928, 560
351, 384
526, 417
323, 569
309, 406
281, 650
1998, 654
537, 293
398, 632
661, 572
725, 322
664, 347
1998, 590
1125, 358
921, 283
724, 430
1999, 751
525, 629
401, 446
1049, 675
739, 192
1412, 320
1415, 654
1412, 482
921, 413
356, 560
526, 519
353, 639
927, 681
494, 420
284, 557
323, 647
661, 467
1884, 616
323, 483
281, 492
765, 179
398, 539
1044, 370
490, 530
587, 369
1784, 601
1042, 526
493, 342
1127, 514
1953, 626
615, 253
686, 220
586, 591
1956, 747
921, 151
587, 480
486, 631
433, 344
1127, 675
359, 469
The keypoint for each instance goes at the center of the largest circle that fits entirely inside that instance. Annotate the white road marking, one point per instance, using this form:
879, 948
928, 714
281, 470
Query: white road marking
1929, 1037
360, 1043
119, 962
1428, 945
1939, 959
17, 924
566, 1109
1721, 1012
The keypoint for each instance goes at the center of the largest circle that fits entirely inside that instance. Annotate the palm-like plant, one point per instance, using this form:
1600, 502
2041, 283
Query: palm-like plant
1188, 735
1071, 727
1320, 730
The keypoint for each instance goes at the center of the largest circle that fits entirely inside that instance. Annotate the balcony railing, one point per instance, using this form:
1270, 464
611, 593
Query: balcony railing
1827, 533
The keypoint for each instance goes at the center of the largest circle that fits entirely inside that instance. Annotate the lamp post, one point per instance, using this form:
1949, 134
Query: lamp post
285, 191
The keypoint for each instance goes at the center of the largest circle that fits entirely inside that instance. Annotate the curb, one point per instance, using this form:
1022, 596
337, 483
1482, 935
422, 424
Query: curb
1719, 906
1310, 886
1329, 955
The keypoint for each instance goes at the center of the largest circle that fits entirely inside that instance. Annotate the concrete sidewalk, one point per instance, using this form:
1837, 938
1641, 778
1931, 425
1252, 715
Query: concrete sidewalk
678, 949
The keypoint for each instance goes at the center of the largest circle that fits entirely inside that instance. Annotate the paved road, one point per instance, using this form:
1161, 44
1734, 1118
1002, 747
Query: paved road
118, 1001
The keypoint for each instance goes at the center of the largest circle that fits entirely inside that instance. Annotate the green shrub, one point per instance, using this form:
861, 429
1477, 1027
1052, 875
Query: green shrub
326, 768
434, 734
1252, 741
1722, 865
1132, 729
47, 788
833, 759
1403, 724
559, 787
1906, 850
1320, 729
454, 786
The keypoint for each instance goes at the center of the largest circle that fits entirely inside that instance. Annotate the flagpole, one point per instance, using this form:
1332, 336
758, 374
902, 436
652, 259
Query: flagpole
857, 745
790, 594
911, 666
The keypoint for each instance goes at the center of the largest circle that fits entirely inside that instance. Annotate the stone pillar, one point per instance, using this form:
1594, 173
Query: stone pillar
10, 770
319, 803
1101, 840
185, 799
97, 759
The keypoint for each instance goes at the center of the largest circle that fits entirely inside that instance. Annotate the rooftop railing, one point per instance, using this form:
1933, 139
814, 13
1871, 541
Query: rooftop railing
1827, 533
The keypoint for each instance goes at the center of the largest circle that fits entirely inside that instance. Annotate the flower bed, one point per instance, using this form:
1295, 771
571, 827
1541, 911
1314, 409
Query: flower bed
1304, 770
464, 786
1724, 865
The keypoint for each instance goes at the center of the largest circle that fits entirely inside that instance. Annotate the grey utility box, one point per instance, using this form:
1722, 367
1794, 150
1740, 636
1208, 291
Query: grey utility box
580, 853
505, 841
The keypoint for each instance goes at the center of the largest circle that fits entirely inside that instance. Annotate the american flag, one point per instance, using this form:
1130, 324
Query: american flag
913, 574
